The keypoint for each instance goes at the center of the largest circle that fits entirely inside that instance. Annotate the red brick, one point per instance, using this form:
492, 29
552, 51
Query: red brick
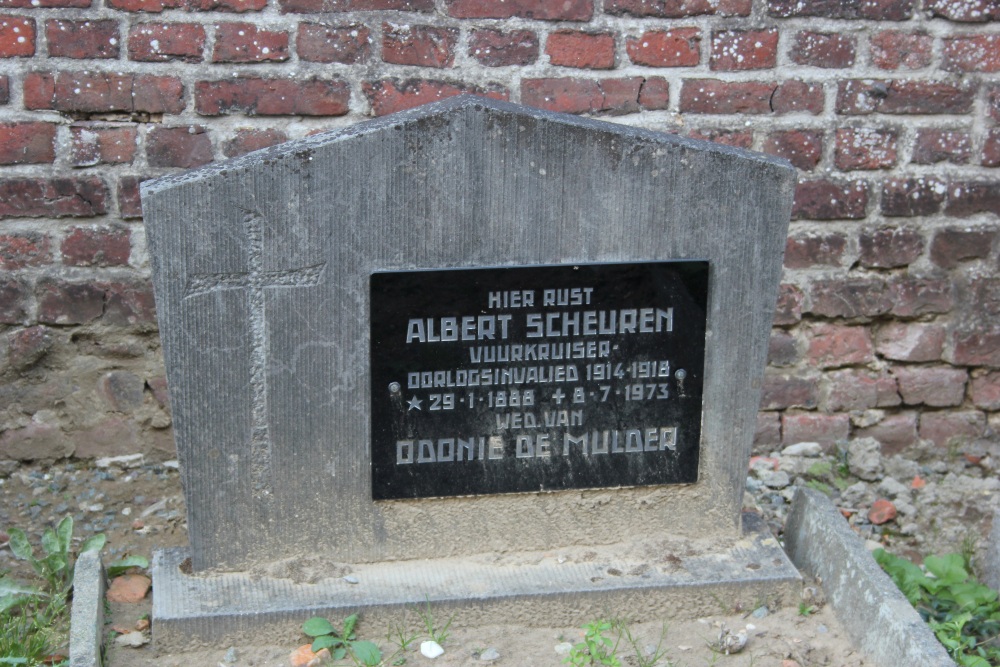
348, 44
13, 301
129, 204
821, 49
803, 148
186, 147
910, 341
22, 249
27, 143
895, 432
161, 42
954, 245
993, 102
97, 246
830, 200
782, 390
889, 247
17, 36
4, 89
882, 511
82, 39
246, 43
654, 93
43, 4
808, 427
904, 197
237, 6
494, 48
52, 197
788, 309
991, 149
129, 304
857, 389
971, 53
272, 97
850, 297
673, 9
247, 140
737, 50
880, 10
768, 432
865, 148
933, 386
834, 345
680, 47
915, 295
860, 97
933, 145
737, 138
544, 10
782, 349
152, 6
975, 346
965, 11
26, 346
128, 589
63, 302
969, 198
103, 92
808, 250
984, 390
322, 6
391, 95
96, 143
571, 95
895, 50
946, 428
795, 96
422, 45
570, 48
726, 97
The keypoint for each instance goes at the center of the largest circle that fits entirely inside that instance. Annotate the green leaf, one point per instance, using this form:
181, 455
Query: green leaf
948, 570
367, 653
339, 653
820, 469
50, 542
9, 660
326, 641
317, 626
64, 531
95, 543
349, 624
55, 563
19, 544
120, 566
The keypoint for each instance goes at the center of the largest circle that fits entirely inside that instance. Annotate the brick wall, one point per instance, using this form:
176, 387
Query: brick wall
889, 315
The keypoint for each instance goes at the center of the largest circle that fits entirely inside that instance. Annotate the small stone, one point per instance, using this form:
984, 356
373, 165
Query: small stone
790, 663
882, 511
822, 629
564, 648
775, 479
892, 489
128, 588
133, 639
803, 449
351, 579
138, 524
760, 612
864, 458
124, 461
301, 656
142, 624
322, 657
231, 656
489, 655
431, 649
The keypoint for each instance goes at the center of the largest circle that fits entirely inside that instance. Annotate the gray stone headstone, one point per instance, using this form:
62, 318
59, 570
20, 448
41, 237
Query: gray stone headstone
262, 265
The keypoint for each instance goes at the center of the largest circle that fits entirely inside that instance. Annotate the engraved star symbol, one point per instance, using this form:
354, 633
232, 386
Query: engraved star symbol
414, 404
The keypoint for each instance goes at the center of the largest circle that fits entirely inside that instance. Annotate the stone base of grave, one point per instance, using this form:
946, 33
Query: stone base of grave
649, 579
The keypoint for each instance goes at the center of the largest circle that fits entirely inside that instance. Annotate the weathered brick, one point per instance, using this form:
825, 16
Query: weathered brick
835, 345
129, 304
737, 50
237, 6
4, 89
391, 95
803, 148
865, 148
27, 143
830, 200
13, 301
933, 145
52, 197
247, 43
103, 92
726, 97
161, 42
422, 45
152, 6
680, 47
904, 197
768, 431
348, 44
543, 10
186, 147
571, 48
879, 10
63, 302
737, 138
82, 39
248, 139
96, 246
97, 143
674, 9
957, 244
35, 442
782, 349
857, 389
572, 95
782, 390
129, 204
111, 436
806, 250
17, 36
991, 149
27, 346
811, 427
850, 297
272, 97
894, 432
894, 50
934, 386
788, 309
43, 4
823, 49
971, 53
889, 247
910, 341
122, 390
971, 197
22, 249
494, 48
859, 97
920, 295
947, 428
984, 390
966, 11
322, 6
975, 345
798, 96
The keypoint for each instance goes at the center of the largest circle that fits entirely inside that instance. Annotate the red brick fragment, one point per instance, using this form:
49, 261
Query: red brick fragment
348, 44
835, 345
879, 10
13, 300
28, 345
64, 303
161, 42
247, 140
984, 390
971, 53
725, 97
882, 511
910, 341
543, 10
866, 96
4, 89
323, 6
272, 97
97, 246
782, 390
422, 45
967, 198
813, 427
803, 148
850, 297
895, 50
17, 36
889, 247
738, 50
737, 138
494, 48
97, 143
128, 588
247, 43
965, 11
52, 197
936, 387
572, 95
895, 432
788, 309
947, 428
90, 92
82, 39
391, 95
186, 147
27, 143
152, 6
798, 96
129, 204
821, 49
912, 196
570, 48
43, 4
680, 47
22, 249
934, 145
858, 389
830, 200
991, 149
865, 148
674, 9
805, 251
958, 244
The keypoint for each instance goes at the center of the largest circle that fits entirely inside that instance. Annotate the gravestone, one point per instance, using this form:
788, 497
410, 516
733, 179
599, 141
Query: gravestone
468, 329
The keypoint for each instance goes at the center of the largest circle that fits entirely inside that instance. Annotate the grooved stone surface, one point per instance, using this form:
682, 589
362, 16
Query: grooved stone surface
86, 629
261, 267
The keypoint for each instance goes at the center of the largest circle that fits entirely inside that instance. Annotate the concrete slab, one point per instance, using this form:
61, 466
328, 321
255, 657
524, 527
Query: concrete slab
873, 611
558, 587
87, 616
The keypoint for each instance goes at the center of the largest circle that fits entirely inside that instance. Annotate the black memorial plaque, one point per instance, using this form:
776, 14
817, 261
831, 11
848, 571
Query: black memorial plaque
536, 378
